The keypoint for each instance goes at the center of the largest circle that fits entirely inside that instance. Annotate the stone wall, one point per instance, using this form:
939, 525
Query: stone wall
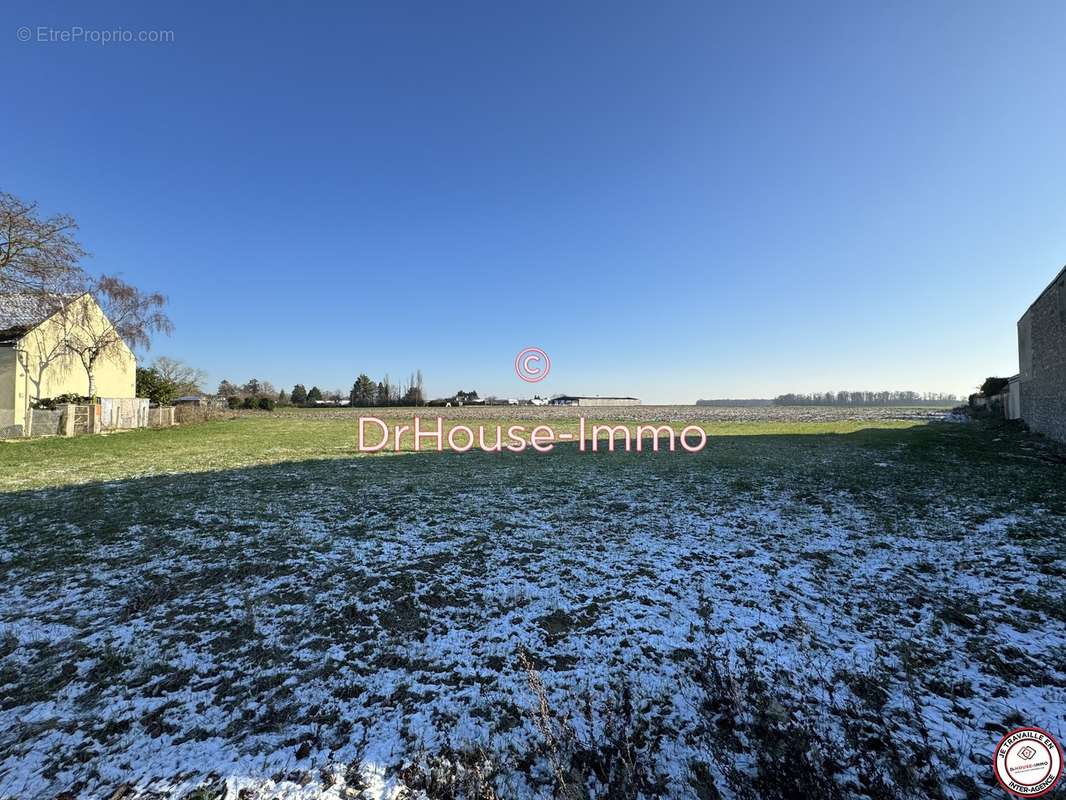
8, 428
1042, 361
46, 423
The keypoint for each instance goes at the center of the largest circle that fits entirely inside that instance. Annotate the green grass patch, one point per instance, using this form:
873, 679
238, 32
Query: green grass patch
261, 439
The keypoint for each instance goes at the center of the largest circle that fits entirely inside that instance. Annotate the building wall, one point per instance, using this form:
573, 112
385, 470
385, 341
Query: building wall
606, 401
46, 369
8, 372
1042, 361
1014, 399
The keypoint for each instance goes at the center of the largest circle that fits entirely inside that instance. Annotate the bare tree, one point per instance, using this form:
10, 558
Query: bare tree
130, 317
38, 256
187, 379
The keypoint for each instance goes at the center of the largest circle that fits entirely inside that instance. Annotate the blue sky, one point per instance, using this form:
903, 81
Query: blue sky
674, 200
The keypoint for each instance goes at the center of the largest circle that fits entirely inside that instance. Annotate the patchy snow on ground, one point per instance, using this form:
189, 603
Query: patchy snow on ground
640, 413
352, 629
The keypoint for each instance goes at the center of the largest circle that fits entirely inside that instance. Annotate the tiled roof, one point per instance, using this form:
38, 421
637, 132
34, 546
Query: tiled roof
21, 311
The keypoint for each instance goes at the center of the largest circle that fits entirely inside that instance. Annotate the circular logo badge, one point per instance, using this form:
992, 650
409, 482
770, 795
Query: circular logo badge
532, 365
1028, 762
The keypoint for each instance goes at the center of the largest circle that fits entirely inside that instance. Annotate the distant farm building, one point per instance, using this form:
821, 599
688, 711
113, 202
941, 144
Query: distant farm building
578, 400
1042, 361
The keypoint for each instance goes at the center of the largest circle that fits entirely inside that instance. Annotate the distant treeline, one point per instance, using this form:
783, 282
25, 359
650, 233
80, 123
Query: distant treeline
843, 398
754, 401
364, 392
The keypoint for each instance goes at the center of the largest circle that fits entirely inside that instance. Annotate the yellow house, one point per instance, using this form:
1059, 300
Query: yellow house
36, 361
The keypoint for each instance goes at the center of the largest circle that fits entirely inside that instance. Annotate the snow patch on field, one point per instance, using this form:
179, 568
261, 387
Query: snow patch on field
311, 632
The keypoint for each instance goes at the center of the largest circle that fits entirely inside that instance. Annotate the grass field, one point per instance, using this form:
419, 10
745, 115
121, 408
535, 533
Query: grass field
814, 606
246, 439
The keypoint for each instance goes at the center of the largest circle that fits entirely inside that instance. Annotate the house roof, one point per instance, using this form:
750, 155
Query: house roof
21, 311
1048, 288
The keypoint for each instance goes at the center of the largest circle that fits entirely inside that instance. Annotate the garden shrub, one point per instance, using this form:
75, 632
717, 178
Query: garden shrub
50, 403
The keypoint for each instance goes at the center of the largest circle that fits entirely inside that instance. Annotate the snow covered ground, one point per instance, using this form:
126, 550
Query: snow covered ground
779, 616
642, 413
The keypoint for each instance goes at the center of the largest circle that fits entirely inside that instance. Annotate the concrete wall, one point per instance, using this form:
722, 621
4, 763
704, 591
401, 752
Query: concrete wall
1014, 400
46, 423
1042, 361
123, 413
8, 370
161, 417
109, 415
